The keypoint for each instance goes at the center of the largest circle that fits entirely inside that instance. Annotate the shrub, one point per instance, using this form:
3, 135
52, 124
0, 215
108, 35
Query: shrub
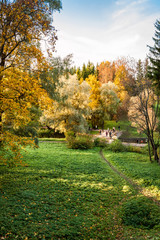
140, 212
131, 148
80, 141
100, 142
117, 146
46, 133
70, 138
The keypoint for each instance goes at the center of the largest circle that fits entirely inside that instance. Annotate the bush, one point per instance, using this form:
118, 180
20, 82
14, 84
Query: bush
46, 133
79, 141
117, 146
100, 142
140, 212
131, 148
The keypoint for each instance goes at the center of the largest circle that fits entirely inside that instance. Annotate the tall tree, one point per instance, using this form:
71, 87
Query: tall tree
57, 68
20, 93
71, 110
23, 25
154, 57
109, 101
144, 109
106, 72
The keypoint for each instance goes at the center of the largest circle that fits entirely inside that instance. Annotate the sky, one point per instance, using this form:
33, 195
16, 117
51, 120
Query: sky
104, 30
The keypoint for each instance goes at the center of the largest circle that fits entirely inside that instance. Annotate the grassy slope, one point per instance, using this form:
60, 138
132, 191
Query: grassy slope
64, 194
138, 167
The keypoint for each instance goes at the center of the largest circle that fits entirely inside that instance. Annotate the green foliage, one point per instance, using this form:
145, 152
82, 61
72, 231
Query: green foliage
50, 78
31, 129
54, 5
138, 167
131, 148
79, 141
64, 194
87, 70
100, 142
154, 68
116, 146
46, 133
140, 212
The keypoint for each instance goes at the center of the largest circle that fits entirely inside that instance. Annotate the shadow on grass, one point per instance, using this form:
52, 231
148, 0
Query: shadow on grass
64, 194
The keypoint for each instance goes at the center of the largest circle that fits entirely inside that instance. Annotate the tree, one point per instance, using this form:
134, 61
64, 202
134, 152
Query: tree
20, 93
125, 82
86, 71
109, 101
154, 57
70, 112
23, 25
57, 67
106, 72
104, 101
144, 109
94, 99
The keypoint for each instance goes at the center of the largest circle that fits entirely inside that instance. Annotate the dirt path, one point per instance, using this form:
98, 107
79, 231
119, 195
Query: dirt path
116, 135
138, 188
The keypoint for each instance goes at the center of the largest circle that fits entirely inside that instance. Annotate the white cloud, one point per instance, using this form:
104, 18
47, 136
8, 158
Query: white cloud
128, 33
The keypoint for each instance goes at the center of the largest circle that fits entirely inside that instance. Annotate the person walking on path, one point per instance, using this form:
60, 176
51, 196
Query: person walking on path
106, 133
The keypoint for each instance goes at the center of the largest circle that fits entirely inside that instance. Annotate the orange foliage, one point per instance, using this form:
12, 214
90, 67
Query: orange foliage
106, 72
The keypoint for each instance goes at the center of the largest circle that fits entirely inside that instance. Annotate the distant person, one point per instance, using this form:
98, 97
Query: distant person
110, 134
119, 128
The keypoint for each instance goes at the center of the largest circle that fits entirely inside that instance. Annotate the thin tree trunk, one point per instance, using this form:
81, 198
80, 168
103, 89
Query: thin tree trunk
149, 150
154, 149
1, 110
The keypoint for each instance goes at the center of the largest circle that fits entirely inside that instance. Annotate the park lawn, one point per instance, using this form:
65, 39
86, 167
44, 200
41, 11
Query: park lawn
65, 194
138, 167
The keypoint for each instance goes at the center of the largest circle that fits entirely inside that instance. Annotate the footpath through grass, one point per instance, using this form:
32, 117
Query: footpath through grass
65, 194
138, 167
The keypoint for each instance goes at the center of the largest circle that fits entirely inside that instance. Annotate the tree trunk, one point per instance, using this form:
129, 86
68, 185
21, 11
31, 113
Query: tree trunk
154, 148
149, 150
1, 111
155, 154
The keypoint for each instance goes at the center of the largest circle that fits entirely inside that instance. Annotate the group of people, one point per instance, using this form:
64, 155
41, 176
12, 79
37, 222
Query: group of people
109, 132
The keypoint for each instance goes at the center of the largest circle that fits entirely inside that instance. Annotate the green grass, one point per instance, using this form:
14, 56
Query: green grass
65, 194
94, 132
138, 167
